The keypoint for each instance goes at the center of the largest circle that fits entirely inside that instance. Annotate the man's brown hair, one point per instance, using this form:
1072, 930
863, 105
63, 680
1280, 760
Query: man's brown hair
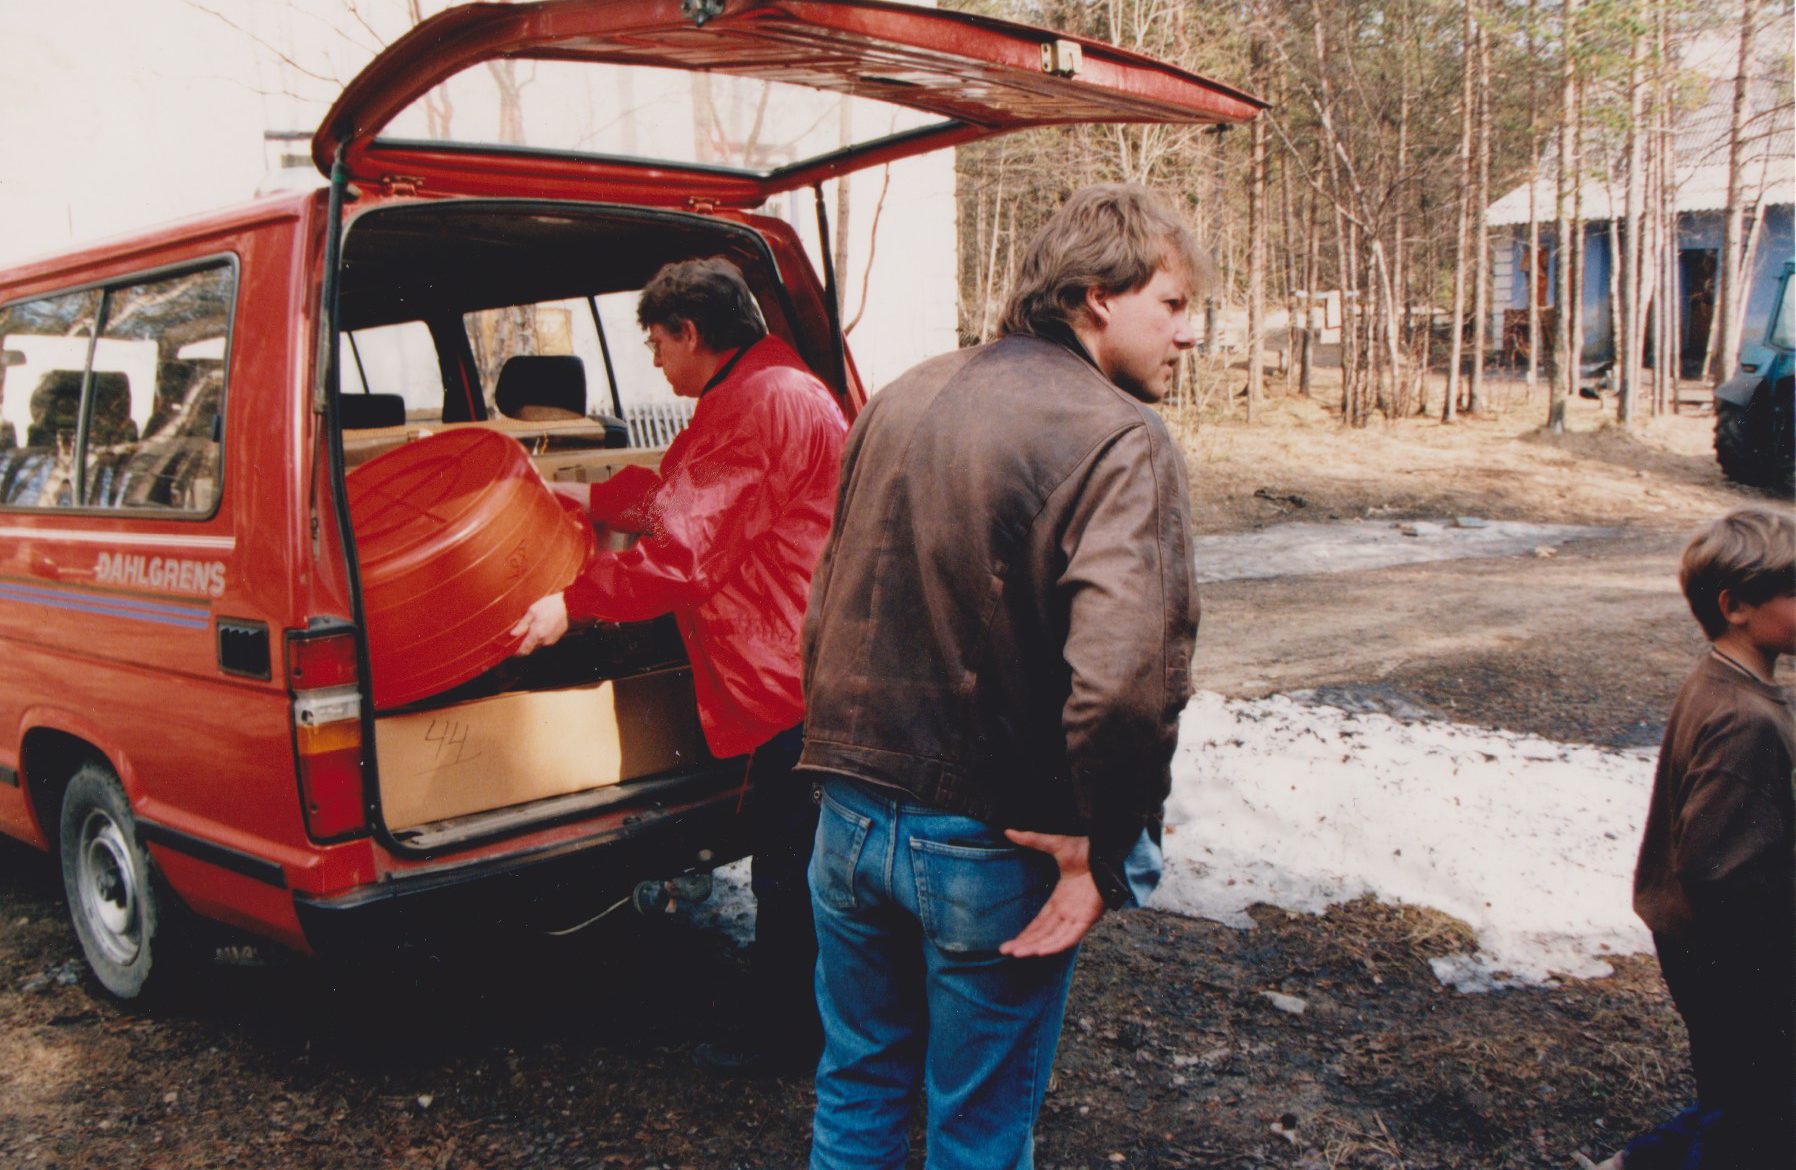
1750, 552
710, 294
1112, 237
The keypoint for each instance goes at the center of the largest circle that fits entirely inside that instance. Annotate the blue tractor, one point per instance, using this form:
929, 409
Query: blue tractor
1755, 442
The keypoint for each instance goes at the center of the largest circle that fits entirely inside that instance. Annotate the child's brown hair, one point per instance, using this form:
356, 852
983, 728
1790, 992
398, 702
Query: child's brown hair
1750, 552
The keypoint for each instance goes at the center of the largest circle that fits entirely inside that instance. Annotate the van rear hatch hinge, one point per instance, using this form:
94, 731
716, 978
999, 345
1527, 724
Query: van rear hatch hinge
700, 11
700, 204
400, 184
1062, 59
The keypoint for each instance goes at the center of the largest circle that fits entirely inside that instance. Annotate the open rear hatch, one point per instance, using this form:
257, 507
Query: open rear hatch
598, 120
728, 103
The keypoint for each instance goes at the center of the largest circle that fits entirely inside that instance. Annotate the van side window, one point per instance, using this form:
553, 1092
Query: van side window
130, 419
588, 372
154, 437
395, 359
44, 348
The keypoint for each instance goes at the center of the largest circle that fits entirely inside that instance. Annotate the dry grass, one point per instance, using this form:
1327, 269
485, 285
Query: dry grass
1297, 462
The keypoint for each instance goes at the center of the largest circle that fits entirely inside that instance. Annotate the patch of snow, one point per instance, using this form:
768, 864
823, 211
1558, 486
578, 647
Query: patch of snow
1302, 805
731, 906
1528, 841
1286, 1003
1302, 549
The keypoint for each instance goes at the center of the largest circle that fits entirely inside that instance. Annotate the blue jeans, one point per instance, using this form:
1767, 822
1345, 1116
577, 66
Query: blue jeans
911, 904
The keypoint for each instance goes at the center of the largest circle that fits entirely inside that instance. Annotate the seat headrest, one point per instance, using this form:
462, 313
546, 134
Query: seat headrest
529, 380
361, 412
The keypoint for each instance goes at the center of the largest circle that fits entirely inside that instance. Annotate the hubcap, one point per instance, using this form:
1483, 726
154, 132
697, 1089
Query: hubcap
108, 888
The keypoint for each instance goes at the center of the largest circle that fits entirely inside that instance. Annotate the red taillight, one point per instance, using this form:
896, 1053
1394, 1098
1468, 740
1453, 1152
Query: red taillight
326, 660
327, 734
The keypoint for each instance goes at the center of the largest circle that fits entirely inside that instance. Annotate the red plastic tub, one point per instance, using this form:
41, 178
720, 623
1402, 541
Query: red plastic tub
457, 536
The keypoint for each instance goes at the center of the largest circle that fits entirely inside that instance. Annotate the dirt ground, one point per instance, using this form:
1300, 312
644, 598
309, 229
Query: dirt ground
576, 1053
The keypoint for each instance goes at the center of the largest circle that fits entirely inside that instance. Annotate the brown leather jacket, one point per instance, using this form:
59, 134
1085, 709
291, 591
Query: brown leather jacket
1002, 620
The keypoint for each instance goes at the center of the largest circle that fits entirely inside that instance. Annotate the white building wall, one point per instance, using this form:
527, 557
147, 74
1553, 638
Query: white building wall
123, 117
907, 304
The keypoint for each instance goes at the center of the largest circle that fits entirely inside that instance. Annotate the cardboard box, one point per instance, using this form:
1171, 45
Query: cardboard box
509, 749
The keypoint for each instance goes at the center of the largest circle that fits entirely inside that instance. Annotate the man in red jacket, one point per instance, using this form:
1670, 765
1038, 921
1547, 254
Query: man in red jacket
732, 528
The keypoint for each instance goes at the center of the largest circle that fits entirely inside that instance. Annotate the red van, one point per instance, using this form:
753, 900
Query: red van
189, 710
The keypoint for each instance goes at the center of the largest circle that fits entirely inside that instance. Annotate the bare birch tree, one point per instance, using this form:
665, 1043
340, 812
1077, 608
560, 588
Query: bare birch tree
1566, 246
1481, 232
1455, 358
1723, 355
1256, 243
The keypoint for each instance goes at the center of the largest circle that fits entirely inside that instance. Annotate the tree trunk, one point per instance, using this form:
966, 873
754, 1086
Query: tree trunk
1616, 310
1398, 290
1674, 298
1466, 97
988, 317
511, 100
1578, 242
1564, 246
1723, 356
1256, 242
1289, 268
439, 108
1432, 265
1388, 294
1633, 288
1312, 265
1533, 379
1481, 200
844, 208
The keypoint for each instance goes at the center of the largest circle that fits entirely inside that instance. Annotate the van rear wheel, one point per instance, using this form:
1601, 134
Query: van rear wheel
106, 876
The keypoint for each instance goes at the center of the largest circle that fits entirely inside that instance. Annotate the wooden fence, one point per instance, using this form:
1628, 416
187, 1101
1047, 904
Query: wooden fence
655, 424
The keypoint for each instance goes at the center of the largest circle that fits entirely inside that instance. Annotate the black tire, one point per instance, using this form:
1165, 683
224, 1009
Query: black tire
113, 896
1736, 450
1781, 456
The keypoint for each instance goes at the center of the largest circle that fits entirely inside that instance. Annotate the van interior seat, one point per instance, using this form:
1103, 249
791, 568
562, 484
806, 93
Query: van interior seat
361, 412
529, 380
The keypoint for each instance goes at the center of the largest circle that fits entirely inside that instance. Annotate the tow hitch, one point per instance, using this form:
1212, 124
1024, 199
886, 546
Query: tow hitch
657, 896
663, 897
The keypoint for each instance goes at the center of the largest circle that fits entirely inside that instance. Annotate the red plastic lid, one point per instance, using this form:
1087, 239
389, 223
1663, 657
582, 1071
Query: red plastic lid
457, 536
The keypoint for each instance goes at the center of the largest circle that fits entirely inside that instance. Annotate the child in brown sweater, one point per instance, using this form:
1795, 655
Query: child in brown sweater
1716, 878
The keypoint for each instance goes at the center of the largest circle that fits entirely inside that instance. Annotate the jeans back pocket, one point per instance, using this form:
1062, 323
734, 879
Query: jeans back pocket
973, 898
841, 835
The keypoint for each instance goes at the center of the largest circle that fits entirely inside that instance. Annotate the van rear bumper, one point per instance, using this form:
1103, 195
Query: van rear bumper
547, 888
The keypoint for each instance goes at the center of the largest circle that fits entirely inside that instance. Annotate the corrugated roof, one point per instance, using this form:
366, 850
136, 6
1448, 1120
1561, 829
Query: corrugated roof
1699, 189
1701, 141
1702, 134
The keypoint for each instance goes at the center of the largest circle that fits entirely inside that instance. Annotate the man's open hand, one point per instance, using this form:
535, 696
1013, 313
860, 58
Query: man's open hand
542, 624
1072, 909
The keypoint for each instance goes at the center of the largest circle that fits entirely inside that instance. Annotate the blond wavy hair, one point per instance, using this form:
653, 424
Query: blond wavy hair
1112, 237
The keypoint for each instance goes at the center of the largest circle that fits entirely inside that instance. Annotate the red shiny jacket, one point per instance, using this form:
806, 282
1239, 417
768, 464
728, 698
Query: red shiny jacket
735, 522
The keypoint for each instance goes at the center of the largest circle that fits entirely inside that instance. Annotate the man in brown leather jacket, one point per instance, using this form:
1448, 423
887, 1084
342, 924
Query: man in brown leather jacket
996, 654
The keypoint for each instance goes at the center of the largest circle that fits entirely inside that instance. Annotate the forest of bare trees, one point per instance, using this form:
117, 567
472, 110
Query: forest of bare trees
1357, 205
1394, 125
